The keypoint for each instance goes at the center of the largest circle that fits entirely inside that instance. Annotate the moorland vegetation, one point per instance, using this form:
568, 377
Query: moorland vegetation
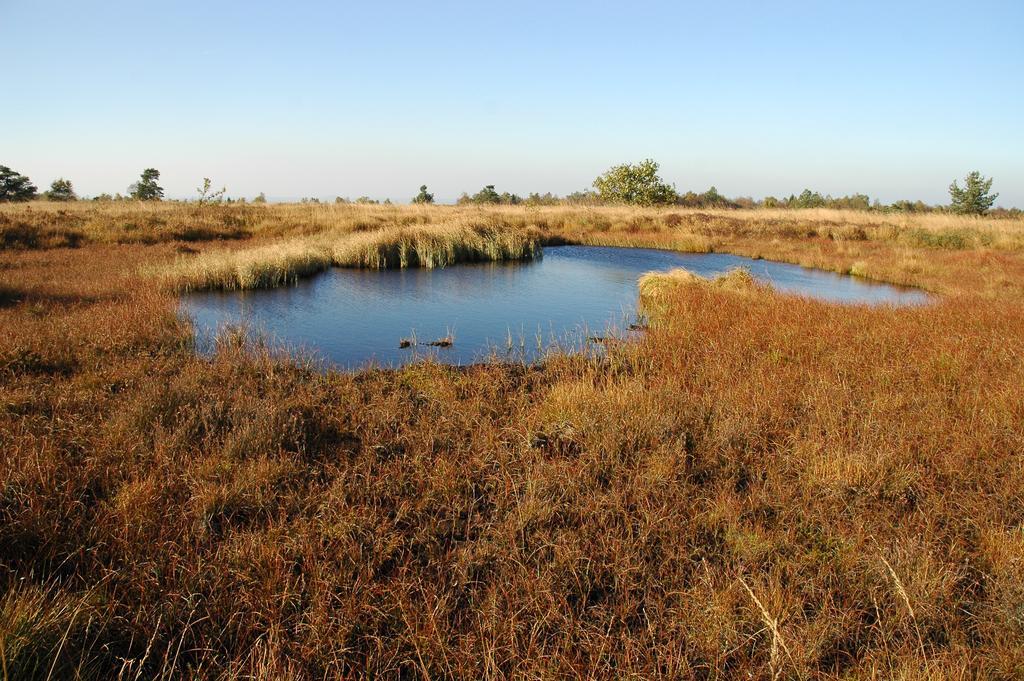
761, 486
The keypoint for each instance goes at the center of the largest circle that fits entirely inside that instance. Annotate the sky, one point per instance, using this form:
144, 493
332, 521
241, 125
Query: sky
323, 99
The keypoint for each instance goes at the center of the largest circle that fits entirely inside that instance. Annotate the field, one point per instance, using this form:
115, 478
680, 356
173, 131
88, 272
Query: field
761, 487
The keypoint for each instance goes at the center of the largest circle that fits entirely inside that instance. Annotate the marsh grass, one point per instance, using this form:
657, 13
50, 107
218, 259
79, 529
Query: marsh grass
660, 284
759, 486
286, 261
657, 289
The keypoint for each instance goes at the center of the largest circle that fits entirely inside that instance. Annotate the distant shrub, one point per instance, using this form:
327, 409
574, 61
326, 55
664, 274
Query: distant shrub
636, 184
709, 199
424, 196
61, 190
851, 202
585, 197
207, 194
813, 199
808, 199
546, 199
488, 195
905, 206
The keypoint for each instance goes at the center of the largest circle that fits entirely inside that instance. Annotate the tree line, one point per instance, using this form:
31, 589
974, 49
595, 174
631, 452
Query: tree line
636, 184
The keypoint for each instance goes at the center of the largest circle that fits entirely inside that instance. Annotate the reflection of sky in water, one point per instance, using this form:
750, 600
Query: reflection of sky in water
351, 317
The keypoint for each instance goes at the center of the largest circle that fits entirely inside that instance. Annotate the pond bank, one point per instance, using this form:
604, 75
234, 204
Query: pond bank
490, 311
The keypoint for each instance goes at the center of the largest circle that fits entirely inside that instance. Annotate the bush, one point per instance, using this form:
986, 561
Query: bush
637, 184
61, 190
424, 196
488, 195
709, 199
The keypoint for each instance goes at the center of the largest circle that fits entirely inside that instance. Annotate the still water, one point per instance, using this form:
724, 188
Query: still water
352, 318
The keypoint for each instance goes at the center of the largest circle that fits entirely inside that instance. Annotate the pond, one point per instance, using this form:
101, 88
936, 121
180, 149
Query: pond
352, 318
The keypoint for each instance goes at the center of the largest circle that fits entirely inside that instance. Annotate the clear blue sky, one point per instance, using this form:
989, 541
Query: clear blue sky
892, 99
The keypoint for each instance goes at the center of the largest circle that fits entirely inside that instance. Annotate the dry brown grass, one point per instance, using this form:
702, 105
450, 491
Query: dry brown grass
948, 254
761, 487
284, 261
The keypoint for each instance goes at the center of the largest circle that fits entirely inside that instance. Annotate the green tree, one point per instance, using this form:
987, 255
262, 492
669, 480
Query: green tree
905, 206
486, 195
14, 186
637, 184
851, 202
260, 198
147, 189
61, 190
712, 198
974, 198
423, 196
586, 197
709, 199
545, 199
807, 199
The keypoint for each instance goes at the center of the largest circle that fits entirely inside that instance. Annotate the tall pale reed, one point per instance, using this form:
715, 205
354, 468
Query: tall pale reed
284, 262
